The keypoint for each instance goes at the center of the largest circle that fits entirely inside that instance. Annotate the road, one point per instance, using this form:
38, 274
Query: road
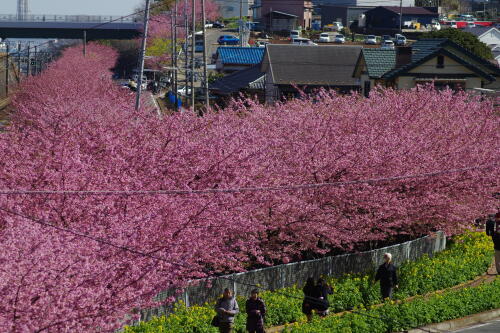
491, 327
212, 36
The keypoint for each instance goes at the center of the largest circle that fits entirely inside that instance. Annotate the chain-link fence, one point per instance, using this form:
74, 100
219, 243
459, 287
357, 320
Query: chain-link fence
287, 275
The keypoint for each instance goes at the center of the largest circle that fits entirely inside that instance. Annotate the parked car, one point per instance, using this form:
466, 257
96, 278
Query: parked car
182, 91
261, 43
386, 37
387, 45
339, 39
370, 40
453, 24
325, 37
471, 25
294, 34
209, 25
302, 41
400, 40
228, 40
218, 25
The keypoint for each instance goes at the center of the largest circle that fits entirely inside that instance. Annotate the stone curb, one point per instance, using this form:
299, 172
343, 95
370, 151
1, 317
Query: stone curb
455, 324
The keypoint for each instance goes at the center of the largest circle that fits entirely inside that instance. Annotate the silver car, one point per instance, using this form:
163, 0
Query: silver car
370, 40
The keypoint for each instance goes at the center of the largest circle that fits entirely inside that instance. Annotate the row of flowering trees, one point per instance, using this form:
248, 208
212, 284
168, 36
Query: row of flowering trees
74, 129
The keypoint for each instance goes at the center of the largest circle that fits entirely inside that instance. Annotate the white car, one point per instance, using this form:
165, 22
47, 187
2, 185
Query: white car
182, 91
400, 40
302, 41
387, 45
324, 37
370, 40
340, 39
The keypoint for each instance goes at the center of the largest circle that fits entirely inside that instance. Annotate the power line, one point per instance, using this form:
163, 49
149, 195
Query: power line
244, 189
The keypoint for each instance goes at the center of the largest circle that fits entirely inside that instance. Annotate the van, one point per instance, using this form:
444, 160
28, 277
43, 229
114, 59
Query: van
294, 34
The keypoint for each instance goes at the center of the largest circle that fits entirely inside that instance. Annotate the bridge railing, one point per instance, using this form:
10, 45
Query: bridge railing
66, 18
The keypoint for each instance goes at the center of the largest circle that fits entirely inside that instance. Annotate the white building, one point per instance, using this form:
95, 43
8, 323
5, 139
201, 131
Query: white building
489, 36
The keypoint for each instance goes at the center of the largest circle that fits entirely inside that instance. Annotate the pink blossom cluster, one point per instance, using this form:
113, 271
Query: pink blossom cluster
74, 129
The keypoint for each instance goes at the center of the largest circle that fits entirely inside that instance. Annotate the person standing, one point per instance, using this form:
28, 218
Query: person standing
386, 273
226, 308
256, 312
310, 298
496, 242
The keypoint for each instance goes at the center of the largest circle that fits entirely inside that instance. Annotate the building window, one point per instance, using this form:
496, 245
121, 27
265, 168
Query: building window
440, 61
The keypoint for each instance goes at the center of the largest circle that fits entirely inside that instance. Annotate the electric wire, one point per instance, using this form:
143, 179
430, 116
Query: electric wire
245, 189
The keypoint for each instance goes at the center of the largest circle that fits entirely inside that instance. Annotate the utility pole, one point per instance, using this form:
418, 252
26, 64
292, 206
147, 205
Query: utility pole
84, 43
19, 60
400, 16
28, 68
186, 59
143, 53
36, 60
174, 47
193, 9
176, 107
7, 71
241, 23
205, 77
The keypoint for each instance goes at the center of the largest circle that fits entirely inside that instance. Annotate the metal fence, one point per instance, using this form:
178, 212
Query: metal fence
287, 275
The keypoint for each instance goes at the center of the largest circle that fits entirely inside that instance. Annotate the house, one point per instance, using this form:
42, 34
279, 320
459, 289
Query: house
489, 36
231, 8
387, 17
231, 59
364, 3
249, 82
308, 68
274, 13
438, 61
344, 14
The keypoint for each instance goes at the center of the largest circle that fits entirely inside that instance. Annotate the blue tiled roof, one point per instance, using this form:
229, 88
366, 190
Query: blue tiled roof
240, 55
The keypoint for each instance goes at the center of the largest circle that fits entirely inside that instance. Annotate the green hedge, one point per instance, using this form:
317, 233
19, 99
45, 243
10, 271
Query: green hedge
392, 317
466, 257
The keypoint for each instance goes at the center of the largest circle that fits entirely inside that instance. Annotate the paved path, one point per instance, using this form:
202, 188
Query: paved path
491, 327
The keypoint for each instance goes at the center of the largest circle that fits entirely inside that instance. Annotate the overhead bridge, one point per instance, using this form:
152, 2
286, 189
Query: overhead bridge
69, 27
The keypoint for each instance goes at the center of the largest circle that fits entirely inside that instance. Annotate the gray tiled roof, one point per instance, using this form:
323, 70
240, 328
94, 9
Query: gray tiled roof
379, 61
478, 31
312, 65
250, 78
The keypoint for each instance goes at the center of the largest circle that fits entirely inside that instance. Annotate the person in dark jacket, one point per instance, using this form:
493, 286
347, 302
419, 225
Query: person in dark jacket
256, 313
490, 225
310, 298
386, 273
226, 308
496, 242
323, 290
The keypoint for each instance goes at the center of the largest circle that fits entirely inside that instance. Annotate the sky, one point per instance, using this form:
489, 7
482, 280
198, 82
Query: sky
74, 7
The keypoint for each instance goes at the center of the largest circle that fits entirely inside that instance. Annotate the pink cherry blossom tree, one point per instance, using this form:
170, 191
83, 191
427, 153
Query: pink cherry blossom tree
74, 129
